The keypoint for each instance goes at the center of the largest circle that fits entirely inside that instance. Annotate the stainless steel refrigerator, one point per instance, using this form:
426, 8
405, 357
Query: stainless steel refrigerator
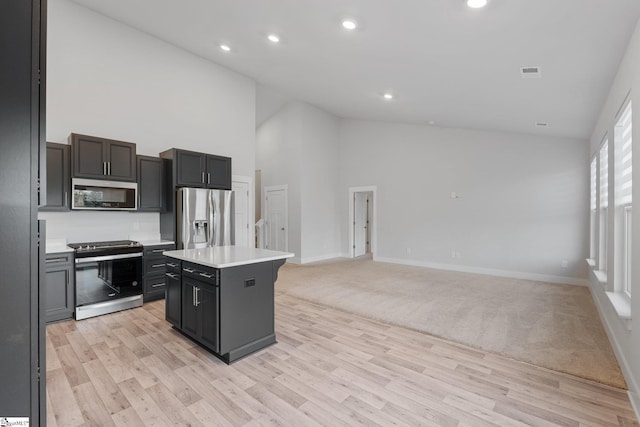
204, 218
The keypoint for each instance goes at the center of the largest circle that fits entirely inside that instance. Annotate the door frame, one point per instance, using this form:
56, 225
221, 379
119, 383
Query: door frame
265, 194
374, 217
251, 235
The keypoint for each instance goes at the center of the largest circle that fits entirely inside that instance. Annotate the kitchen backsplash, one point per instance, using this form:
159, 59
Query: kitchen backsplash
98, 226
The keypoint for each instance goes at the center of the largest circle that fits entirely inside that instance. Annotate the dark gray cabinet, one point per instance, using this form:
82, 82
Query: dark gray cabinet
200, 170
22, 132
200, 307
59, 287
173, 299
58, 177
229, 310
101, 158
150, 184
154, 273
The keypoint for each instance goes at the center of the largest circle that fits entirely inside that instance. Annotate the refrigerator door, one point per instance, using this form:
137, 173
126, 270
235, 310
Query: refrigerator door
222, 217
193, 218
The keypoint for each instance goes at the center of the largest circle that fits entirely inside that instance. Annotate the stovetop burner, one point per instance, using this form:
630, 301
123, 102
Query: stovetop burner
106, 248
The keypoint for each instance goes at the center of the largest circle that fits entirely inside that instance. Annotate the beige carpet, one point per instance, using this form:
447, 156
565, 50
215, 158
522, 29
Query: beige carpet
553, 326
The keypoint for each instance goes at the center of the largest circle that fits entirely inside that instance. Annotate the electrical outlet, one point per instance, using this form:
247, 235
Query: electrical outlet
408, 250
565, 263
453, 254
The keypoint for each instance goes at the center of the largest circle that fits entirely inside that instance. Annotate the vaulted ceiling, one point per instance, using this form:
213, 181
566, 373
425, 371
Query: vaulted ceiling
444, 63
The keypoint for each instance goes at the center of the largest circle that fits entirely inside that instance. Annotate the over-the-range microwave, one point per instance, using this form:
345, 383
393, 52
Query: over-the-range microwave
95, 194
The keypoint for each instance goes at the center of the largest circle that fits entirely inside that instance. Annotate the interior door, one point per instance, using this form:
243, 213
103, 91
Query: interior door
359, 224
241, 191
276, 218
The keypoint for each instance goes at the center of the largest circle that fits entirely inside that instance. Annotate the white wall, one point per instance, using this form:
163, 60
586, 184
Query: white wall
107, 79
522, 200
626, 343
298, 147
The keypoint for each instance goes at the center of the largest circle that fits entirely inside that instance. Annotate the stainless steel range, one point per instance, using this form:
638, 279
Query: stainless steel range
108, 277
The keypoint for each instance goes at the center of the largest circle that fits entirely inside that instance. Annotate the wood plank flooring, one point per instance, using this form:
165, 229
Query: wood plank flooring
329, 368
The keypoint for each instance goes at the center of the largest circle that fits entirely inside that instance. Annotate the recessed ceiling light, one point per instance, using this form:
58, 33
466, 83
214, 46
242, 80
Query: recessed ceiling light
225, 47
349, 24
273, 38
476, 4
388, 96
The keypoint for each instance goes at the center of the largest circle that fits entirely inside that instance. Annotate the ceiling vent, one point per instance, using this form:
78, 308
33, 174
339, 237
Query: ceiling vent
542, 125
530, 72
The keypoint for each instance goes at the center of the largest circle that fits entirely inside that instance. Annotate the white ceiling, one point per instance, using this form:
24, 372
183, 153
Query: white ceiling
444, 62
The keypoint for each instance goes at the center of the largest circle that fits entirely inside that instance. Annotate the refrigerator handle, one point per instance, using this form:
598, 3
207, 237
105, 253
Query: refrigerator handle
212, 217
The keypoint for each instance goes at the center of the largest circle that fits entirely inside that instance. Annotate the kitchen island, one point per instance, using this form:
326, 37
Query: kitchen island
223, 297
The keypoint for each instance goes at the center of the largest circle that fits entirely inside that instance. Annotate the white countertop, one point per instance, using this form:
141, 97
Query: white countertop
57, 248
155, 242
227, 256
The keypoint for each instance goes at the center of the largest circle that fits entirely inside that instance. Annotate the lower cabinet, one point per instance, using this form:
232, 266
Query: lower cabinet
154, 278
59, 287
229, 311
173, 302
200, 312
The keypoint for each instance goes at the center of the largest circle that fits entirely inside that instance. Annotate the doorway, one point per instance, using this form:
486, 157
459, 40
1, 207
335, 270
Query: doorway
276, 217
240, 186
362, 225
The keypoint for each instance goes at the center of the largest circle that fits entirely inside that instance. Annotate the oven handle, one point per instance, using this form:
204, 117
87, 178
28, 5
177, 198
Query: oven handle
107, 258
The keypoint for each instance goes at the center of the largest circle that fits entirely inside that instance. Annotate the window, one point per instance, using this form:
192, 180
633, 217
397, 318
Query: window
593, 211
604, 204
623, 199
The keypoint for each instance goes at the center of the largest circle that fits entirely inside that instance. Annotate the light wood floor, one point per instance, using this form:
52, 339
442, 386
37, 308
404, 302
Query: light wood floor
329, 368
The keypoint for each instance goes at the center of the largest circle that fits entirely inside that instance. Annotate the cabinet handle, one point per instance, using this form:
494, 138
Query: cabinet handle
208, 276
173, 276
157, 265
157, 285
109, 166
104, 168
170, 264
197, 302
188, 270
155, 251
208, 178
203, 177
50, 260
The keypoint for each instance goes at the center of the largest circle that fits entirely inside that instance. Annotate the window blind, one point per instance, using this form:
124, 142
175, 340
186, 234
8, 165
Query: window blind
604, 174
623, 167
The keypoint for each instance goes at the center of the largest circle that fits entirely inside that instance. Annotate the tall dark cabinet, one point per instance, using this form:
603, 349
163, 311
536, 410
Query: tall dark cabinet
22, 132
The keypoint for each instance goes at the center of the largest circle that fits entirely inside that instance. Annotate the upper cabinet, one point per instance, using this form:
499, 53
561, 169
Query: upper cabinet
57, 181
150, 184
199, 170
101, 158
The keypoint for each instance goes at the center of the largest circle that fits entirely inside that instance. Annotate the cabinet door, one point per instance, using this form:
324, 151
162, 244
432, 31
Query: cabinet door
218, 172
190, 169
150, 188
89, 157
208, 306
57, 177
59, 289
173, 300
190, 319
122, 160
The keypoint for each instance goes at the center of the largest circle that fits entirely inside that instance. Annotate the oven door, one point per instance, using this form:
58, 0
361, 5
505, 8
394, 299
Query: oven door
105, 278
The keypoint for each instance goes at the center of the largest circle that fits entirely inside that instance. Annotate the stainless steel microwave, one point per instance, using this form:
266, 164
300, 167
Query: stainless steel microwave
93, 194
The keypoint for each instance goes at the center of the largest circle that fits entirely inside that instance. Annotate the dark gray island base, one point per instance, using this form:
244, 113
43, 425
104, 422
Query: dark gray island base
223, 298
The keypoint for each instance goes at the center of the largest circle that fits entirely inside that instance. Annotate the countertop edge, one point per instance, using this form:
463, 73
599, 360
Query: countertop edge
228, 264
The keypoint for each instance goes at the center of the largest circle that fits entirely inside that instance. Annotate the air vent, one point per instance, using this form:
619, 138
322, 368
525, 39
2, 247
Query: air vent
542, 125
530, 72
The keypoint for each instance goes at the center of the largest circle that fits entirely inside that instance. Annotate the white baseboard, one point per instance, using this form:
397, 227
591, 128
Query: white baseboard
601, 301
488, 271
326, 257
